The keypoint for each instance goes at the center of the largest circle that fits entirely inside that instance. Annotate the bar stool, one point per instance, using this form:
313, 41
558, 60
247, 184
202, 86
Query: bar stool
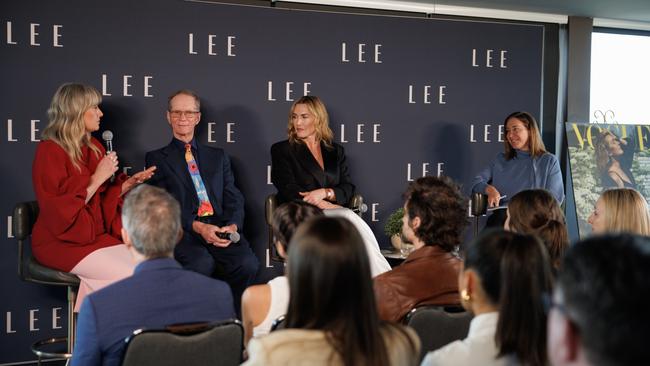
24, 217
477, 207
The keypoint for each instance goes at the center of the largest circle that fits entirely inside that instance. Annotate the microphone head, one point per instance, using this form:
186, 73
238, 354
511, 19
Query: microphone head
234, 237
107, 135
363, 208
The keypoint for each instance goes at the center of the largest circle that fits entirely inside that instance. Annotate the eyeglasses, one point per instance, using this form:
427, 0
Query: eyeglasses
179, 114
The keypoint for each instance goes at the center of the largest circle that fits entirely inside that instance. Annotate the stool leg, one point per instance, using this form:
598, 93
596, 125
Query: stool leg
72, 297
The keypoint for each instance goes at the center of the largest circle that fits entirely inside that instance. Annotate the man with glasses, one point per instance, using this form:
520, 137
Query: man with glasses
212, 208
599, 313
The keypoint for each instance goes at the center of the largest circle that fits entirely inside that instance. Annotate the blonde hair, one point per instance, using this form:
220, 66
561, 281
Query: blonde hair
317, 108
626, 210
535, 144
66, 124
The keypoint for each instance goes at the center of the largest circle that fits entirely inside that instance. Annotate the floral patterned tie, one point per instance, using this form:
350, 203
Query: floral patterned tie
205, 208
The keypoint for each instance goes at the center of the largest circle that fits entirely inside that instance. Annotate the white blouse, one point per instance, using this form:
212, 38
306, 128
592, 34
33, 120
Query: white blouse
277, 307
378, 264
479, 348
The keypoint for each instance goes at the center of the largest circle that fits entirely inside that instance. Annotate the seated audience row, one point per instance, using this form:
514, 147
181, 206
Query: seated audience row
332, 315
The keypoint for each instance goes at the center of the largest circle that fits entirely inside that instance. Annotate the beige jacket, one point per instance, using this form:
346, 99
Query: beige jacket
293, 347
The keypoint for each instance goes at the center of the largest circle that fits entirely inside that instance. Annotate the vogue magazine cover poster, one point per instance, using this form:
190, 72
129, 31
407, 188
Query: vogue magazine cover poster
606, 156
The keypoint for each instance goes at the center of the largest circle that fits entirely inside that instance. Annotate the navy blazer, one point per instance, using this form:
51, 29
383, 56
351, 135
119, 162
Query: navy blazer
294, 169
159, 293
214, 164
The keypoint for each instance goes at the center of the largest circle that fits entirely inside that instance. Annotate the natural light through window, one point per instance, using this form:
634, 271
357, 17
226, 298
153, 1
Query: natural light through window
620, 78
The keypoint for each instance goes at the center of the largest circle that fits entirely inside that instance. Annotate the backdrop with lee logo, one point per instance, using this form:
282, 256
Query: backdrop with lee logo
407, 97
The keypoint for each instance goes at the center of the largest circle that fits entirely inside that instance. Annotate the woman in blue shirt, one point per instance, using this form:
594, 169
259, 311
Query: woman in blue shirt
525, 164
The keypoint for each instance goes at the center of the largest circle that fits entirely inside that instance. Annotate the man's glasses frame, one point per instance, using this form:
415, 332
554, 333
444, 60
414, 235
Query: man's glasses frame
180, 114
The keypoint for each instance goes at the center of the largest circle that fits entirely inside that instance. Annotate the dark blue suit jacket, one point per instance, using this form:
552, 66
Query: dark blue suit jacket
214, 165
159, 293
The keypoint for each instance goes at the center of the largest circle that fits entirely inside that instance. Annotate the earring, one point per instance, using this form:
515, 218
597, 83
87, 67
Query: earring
465, 296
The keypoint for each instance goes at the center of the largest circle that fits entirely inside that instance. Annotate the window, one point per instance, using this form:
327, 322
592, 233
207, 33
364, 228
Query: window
620, 78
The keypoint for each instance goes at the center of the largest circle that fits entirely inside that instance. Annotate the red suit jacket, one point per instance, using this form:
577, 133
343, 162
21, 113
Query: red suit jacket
67, 228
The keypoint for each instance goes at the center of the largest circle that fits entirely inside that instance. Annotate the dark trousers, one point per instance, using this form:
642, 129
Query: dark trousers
235, 264
497, 219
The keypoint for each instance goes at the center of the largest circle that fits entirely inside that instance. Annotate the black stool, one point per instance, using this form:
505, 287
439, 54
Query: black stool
477, 208
24, 217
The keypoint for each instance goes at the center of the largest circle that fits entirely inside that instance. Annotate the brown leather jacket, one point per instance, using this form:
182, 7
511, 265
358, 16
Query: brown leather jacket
429, 276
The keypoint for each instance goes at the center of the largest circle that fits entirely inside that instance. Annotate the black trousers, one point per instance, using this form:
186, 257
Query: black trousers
497, 219
235, 264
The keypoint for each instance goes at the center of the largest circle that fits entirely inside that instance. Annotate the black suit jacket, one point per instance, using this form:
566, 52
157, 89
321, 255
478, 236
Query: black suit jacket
294, 169
214, 165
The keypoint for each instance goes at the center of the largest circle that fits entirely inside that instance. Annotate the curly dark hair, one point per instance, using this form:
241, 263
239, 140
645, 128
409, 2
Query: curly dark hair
438, 203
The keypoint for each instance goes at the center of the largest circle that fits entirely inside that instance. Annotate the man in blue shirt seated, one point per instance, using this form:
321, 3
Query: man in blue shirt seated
159, 293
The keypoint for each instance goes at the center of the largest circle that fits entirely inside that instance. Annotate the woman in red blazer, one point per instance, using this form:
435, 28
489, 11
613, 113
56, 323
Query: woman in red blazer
308, 165
78, 229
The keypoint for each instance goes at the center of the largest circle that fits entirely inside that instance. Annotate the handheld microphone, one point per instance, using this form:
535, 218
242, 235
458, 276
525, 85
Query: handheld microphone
361, 209
107, 136
233, 237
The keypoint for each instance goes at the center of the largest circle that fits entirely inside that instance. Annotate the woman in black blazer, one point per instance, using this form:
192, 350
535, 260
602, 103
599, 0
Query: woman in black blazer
309, 166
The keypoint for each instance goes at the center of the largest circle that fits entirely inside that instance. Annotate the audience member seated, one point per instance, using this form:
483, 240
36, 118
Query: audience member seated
262, 304
159, 293
332, 317
620, 210
598, 314
505, 276
537, 212
434, 219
